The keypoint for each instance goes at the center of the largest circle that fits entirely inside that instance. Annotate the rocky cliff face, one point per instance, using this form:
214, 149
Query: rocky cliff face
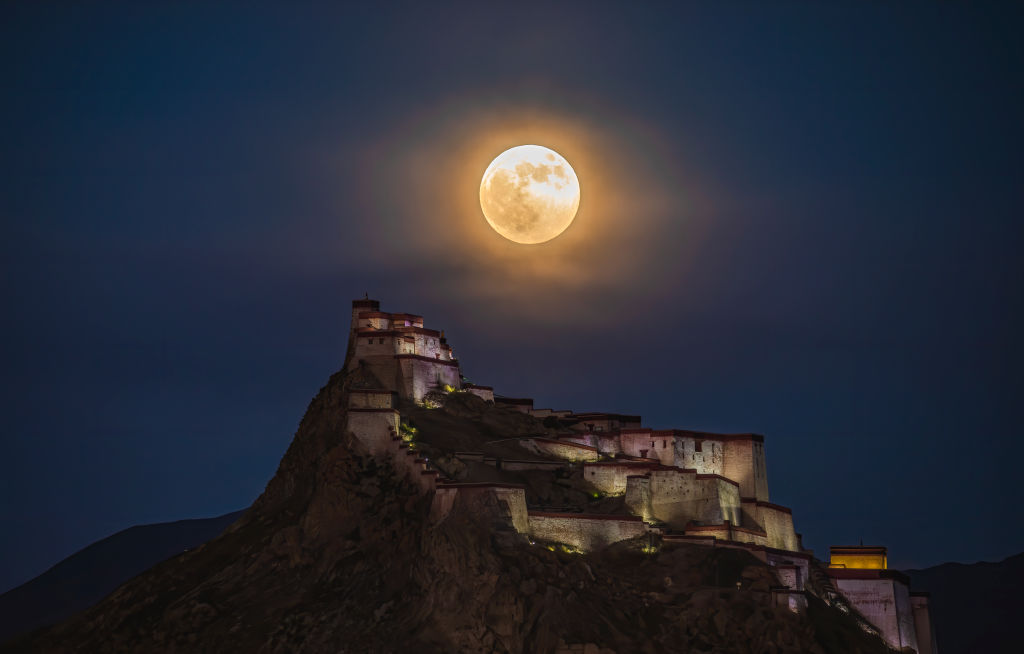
337, 555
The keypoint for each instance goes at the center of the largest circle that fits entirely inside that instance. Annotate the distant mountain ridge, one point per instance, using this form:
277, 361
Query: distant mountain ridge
975, 607
91, 574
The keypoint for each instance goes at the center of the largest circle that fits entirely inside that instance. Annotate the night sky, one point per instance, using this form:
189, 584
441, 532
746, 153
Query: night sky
799, 220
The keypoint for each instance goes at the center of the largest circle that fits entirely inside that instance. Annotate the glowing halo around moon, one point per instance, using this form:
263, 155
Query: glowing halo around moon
529, 194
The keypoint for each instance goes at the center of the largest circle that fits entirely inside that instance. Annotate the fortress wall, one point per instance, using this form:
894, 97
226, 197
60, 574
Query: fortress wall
374, 322
795, 568
485, 393
923, 627
420, 376
789, 575
760, 472
562, 449
728, 532
374, 428
777, 522
360, 306
884, 600
703, 455
744, 462
905, 616
635, 441
516, 465
376, 345
638, 496
752, 536
523, 405
587, 532
361, 399
679, 497
608, 444
428, 344
514, 498
580, 439
406, 320
663, 449
610, 478
405, 345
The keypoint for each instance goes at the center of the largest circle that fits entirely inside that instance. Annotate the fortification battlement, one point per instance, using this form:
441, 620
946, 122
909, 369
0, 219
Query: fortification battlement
404, 356
681, 485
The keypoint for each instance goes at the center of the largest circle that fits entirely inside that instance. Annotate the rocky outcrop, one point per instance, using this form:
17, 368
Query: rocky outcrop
339, 555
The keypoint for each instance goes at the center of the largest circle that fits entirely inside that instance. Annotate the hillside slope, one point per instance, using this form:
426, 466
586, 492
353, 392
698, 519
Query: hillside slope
82, 579
338, 555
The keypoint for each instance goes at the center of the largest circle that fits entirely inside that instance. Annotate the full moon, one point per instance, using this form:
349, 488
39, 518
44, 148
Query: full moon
529, 194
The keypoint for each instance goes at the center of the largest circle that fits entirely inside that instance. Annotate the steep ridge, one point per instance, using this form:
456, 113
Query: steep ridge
339, 554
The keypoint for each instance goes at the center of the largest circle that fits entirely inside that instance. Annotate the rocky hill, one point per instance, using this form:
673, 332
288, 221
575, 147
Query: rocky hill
338, 555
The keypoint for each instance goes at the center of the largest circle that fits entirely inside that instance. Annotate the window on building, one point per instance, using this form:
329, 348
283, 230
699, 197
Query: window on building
381, 341
697, 445
369, 341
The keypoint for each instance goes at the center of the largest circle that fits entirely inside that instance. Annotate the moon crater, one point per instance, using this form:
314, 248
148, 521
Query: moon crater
529, 194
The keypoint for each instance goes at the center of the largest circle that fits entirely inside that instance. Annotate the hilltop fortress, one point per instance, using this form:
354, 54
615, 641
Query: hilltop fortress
583, 481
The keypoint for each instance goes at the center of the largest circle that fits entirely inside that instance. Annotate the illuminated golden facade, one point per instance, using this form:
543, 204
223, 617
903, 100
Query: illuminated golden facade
858, 557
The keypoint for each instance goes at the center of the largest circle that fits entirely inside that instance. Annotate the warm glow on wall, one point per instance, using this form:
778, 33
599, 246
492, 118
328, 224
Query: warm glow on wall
859, 558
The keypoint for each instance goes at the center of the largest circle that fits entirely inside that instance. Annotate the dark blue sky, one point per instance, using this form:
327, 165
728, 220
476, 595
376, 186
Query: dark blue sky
798, 220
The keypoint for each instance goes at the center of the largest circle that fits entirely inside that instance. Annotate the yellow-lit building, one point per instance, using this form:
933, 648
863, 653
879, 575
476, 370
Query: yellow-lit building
858, 557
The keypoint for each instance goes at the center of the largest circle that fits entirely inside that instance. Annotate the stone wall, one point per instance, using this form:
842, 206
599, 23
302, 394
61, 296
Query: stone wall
522, 404
700, 454
564, 450
375, 344
610, 477
923, 626
679, 497
744, 463
794, 566
608, 444
775, 520
586, 532
361, 306
419, 375
514, 498
883, 598
518, 464
375, 429
486, 393
644, 444
729, 532
370, 399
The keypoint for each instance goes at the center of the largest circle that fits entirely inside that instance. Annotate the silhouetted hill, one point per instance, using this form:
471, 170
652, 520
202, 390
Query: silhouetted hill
339, 554
975, 607
85, 577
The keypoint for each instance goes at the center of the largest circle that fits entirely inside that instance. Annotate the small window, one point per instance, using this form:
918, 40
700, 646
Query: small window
381, 341
664, 444
697, 446
369, 341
